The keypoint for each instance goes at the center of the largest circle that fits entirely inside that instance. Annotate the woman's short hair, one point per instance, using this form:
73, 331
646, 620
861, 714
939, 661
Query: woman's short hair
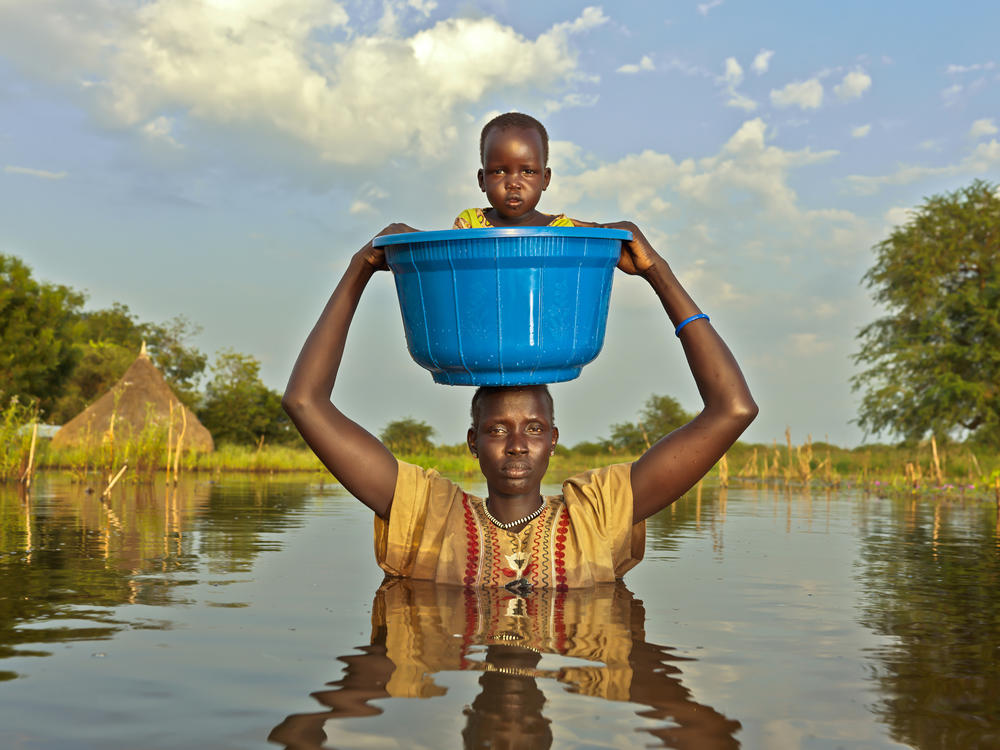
488, 390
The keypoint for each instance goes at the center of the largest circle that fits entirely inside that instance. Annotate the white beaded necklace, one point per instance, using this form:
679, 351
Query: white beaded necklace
511, 524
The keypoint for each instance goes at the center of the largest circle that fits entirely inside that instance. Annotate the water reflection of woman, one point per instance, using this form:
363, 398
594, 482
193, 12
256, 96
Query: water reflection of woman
426, 527
421, 629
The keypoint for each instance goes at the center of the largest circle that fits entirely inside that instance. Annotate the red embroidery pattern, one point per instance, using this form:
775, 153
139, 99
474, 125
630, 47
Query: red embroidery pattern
486, 561
559, 554
472, 558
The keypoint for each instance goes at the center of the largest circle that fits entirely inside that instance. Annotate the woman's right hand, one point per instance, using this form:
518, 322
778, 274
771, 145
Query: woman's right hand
375, 256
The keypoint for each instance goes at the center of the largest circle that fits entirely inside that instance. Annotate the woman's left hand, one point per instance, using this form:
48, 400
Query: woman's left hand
638, 256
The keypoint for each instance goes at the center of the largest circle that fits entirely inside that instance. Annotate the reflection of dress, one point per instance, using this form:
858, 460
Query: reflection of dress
523, 647
583, 537
473, 218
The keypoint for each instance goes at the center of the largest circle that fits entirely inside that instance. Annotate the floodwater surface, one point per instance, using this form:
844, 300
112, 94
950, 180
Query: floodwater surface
243, 613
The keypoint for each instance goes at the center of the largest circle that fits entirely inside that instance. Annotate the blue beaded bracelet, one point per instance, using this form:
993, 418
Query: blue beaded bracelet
677, 331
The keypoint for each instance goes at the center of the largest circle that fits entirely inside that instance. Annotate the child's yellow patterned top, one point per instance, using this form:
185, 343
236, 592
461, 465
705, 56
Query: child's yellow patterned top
473, 218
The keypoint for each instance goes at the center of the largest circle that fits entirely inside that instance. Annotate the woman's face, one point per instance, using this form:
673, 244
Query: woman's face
514, 174
513, 440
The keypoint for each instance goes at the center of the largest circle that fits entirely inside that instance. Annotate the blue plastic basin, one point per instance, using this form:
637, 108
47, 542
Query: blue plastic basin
504, 306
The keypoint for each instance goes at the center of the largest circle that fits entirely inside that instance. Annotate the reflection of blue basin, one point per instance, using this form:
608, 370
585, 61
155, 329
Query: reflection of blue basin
504, 306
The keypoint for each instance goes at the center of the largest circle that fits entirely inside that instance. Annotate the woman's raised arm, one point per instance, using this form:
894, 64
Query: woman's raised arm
678, 460
353, 455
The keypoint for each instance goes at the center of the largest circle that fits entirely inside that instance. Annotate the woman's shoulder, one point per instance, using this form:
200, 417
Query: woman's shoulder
602, 481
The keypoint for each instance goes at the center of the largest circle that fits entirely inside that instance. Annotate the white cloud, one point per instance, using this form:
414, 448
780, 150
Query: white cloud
40, 173
740, 101
854, 84
974, 68
808, 344
734, 72
361, 207
861, 131
731, 78
898, 215
260, 70
984, 157
762, 61
825, 310
646, 63
159, 129
704, 8
650, 184
981, 128
570, 101
801, 94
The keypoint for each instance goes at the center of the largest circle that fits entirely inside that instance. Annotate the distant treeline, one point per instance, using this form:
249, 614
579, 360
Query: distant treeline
59, 357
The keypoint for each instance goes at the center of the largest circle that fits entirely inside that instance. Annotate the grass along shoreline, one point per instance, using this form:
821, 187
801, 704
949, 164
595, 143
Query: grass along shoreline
926, 469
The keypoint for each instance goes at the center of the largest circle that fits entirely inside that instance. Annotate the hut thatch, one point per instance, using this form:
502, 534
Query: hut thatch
139, 395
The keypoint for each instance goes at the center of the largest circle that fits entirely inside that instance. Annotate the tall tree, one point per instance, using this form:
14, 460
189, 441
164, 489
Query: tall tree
933, 361
659, 415
238, 407
407, 436
36, 334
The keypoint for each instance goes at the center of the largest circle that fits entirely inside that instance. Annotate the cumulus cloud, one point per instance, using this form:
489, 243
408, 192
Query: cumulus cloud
861, 131
802, 94
268, 68
39, 173
762, 61
981, 128
746, 175
646, 63
854, 84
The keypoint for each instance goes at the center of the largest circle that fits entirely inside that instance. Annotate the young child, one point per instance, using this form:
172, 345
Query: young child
514, 150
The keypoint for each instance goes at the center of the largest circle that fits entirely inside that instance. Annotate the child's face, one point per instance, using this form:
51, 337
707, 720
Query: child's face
513, 175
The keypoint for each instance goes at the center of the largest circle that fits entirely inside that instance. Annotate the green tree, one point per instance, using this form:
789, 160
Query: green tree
182, 365
238, 407
36, 342
407, 436
107, 341
933, 361
659, 416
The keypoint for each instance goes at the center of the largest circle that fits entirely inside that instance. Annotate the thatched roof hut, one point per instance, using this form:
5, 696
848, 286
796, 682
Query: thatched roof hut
140, 394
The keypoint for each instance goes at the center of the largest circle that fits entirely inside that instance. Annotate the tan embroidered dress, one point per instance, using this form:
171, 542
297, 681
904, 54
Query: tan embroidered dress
583, 537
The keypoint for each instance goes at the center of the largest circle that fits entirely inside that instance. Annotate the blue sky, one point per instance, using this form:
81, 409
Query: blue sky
222, 159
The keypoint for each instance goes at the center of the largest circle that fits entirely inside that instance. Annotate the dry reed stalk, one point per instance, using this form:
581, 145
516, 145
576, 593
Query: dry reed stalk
788, 439
170, 438
804, 455
723, 471
180, 442
645, 437
114, 481
750, 467
26, 476
996, 493
937, 463
975, 462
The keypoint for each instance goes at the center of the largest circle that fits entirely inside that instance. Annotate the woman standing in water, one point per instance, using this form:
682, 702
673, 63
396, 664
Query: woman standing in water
426, 527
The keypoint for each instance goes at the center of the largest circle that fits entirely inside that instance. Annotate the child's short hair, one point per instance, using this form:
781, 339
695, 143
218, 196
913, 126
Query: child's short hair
514, 120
